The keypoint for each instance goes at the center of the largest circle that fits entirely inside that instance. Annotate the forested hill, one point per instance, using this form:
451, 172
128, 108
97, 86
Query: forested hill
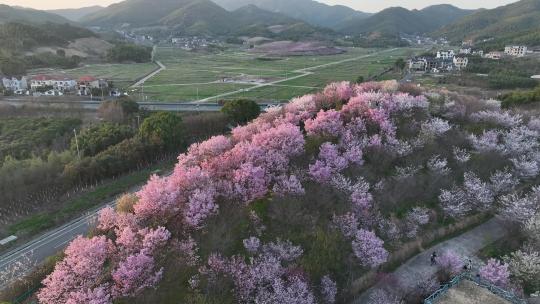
19, 36
518, 22
26, 15
400, 20
312, 12
196, 17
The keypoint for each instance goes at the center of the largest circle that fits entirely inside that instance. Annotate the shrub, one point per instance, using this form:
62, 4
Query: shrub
241, 111
165, 129
98, 138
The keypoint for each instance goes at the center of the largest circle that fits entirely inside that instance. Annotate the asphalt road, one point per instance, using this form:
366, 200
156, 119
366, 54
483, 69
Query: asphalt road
48, 244
152, 106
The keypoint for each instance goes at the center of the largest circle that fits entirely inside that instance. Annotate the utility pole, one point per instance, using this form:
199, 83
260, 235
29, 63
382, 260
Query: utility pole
77, 144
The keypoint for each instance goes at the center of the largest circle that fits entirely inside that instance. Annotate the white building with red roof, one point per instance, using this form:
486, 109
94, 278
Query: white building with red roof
85, 84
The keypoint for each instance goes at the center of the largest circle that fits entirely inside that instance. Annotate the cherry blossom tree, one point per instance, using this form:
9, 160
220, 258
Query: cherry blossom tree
327, 123
450, 262
504, 119
381, 296
330, 162
79, 272
369, 249
288, 185
495, 272
438, 165
328, 290
525, 266
134, 274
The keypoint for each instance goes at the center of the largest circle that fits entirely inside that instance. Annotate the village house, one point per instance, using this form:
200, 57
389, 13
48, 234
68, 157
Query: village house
494, 55
465, 51
460, 62
14, 84
417, 64
516, 50
431, 65
59, 83
85, 84
449, 54
478, 52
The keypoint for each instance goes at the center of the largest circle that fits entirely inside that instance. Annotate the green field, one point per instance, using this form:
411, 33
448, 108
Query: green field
123, 75
235, 73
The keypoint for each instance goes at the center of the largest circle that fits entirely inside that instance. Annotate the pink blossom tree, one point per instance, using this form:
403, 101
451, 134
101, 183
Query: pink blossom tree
326, 124
328, 290
330, 162
369, 249
450, 262
495, 272
134, 274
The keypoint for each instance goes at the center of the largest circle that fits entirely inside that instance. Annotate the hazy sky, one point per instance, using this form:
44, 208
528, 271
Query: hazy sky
363, 5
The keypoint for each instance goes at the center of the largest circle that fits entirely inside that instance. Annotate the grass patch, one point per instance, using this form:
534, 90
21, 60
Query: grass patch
33, 224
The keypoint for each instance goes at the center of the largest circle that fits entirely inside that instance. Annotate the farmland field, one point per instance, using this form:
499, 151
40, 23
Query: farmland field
123, 75
235, 73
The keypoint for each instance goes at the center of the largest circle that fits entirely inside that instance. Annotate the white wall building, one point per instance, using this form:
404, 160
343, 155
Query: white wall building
465, 51
15, 84
516, 50
461, 62
449, 54
57, 83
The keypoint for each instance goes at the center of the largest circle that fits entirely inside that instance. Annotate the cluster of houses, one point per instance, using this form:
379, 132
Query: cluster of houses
448, 60
193, 43
443, 61
136, 38
53, 85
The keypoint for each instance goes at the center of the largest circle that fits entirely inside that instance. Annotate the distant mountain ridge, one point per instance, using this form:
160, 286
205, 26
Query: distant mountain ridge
198, 17
517, 22
76, 14
312, 12
27, 15
400, 20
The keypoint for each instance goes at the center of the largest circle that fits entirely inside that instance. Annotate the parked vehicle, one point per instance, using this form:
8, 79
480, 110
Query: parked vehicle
53, 93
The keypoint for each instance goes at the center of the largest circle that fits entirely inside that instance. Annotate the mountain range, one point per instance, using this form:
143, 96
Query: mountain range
518, 22
76, 14
197, 17
27, 15
312, 12
401, 20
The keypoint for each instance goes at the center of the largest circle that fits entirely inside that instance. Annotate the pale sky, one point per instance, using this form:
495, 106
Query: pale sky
362, 5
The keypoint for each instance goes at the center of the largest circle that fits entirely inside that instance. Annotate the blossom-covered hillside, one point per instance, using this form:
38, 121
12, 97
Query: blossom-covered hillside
298, 204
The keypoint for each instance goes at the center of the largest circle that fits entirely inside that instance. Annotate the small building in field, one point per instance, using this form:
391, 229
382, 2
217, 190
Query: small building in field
516, 50
14, 84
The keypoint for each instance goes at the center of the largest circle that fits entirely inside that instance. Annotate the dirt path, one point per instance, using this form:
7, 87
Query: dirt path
147, 77
418, 268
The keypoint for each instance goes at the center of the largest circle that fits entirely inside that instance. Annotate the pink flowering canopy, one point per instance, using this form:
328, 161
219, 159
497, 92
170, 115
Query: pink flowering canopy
325, 140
